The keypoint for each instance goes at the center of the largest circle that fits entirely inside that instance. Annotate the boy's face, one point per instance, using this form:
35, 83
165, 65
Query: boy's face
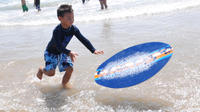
67, 19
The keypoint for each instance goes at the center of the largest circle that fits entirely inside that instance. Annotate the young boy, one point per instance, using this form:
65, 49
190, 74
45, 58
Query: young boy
56, 54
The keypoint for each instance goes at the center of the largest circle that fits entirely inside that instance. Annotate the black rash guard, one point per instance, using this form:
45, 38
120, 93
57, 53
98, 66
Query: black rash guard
61, 37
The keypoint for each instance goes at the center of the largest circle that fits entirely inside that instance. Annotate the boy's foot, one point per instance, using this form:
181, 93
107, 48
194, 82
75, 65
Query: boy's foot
67, 86
39, 74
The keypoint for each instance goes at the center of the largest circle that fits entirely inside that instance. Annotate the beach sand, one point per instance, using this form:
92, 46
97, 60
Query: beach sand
174, 88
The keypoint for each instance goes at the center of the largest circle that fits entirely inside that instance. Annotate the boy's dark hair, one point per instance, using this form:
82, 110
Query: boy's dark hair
64, 9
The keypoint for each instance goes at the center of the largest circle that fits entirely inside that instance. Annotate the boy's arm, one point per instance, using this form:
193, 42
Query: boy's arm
60, 48
83, 40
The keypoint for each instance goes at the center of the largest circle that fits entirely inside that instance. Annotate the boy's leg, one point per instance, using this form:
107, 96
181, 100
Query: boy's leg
48, 73
66, 77
66, 65
51, 61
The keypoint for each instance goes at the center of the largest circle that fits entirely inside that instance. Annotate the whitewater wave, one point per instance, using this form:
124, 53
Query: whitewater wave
11, 12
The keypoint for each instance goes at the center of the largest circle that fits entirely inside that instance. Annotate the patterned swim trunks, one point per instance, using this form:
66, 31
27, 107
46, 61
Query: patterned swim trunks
52, 61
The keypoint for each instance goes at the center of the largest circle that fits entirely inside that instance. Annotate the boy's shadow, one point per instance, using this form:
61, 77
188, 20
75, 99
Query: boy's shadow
56, 96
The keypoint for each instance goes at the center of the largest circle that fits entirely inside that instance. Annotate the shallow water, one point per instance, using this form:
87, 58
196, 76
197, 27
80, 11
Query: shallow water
174, 88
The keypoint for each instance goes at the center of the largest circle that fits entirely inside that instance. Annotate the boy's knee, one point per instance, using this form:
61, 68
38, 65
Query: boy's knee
51, 73
70, 69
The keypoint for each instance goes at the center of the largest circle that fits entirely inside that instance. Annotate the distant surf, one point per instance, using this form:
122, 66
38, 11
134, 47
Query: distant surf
11, 12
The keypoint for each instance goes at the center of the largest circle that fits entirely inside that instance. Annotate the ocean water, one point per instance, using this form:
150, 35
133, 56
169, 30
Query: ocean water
11, 12
24, 36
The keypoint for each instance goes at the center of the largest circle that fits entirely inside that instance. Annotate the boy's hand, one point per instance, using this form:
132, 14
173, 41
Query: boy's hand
98, 52
73, 56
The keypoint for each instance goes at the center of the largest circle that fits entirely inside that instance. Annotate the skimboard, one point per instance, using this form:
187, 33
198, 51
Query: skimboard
133, 65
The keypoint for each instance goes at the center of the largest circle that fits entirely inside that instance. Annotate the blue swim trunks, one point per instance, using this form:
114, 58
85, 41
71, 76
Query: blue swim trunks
52, 61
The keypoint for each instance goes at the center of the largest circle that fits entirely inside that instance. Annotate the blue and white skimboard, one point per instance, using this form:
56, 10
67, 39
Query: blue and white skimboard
133, 65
